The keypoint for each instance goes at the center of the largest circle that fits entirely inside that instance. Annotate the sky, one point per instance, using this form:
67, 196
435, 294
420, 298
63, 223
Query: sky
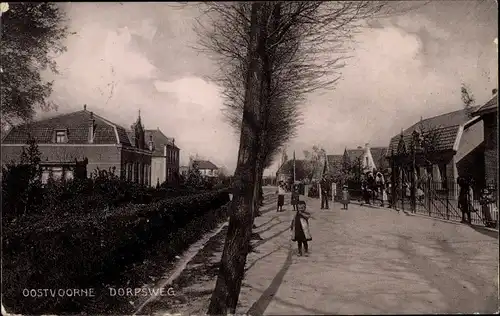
126, 57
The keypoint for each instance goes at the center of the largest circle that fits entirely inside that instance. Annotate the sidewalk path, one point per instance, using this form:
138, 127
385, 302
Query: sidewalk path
369, 261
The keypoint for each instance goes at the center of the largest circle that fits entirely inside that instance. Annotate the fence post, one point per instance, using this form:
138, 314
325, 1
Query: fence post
403, 195
428, 194
447, 202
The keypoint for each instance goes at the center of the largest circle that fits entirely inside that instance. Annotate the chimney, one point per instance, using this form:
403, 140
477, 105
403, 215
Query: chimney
85, 107
91, 127
494, 91
151, 145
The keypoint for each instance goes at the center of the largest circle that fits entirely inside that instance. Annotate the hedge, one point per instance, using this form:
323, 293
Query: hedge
90, 250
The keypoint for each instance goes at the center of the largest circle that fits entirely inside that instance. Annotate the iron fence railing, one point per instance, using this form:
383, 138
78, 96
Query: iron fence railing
442, 201
435, 199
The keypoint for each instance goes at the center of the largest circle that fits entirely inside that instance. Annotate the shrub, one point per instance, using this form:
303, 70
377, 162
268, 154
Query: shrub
89, 251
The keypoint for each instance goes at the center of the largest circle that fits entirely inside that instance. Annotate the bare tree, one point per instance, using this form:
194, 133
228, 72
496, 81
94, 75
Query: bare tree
314, 159
468, 99
270, 55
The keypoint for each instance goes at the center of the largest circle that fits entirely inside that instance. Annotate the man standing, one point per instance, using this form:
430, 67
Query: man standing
463, 199
325, 189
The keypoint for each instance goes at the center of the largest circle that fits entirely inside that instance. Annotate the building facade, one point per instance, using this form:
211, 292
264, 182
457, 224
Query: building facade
360, 161
81, 140
207, 168
165, 158
489, 116
442, 148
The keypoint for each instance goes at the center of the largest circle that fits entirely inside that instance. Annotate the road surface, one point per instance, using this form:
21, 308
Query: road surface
369, 261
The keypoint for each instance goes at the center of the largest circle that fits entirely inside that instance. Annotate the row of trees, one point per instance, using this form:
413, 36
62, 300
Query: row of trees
271, 55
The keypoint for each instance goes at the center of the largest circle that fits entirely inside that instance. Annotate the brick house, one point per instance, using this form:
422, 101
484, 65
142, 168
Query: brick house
78, 140
457, 149
489, 115
165, 157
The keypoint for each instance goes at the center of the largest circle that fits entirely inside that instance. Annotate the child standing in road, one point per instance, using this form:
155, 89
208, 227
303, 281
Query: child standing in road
345, 198
300, 228
281, 196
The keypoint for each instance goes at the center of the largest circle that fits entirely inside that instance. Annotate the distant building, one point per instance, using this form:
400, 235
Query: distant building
184, 170
363, 160
165, 156
78, 140
207, 168
285, 171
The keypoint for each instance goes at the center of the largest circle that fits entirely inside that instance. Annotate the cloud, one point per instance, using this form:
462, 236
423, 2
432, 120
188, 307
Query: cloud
112, 66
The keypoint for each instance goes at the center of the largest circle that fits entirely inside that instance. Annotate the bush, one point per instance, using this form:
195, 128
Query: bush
89, 251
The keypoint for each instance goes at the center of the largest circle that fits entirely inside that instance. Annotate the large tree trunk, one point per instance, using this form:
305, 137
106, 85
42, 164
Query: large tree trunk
231, 271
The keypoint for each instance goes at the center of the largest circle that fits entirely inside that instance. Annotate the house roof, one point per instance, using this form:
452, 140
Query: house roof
378, 155
445, 126
77, 126
490, 106
159, 139
287, 167
204, 164
355, 153
335, 161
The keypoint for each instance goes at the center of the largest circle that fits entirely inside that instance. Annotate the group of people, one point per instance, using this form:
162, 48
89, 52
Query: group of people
466, 202
281, 190
374, 187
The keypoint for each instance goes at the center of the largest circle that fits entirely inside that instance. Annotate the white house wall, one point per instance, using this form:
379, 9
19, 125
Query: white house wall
471, 138
367, 160
158, 170
208, 172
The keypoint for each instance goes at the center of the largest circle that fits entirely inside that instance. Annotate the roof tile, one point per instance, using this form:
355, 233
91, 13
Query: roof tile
77, 126
204, 164
445, 126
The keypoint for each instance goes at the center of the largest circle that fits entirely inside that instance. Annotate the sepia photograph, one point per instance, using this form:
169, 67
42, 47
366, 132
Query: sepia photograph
249, 158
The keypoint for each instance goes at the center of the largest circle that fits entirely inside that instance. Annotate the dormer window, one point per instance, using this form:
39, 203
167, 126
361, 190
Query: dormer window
61, 136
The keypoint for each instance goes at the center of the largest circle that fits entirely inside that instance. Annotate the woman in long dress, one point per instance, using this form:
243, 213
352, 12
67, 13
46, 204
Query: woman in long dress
300, 228
281, 196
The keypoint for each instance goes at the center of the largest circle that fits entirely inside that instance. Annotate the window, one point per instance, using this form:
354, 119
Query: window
136, 173
145, 174
45, 176
57, 173
129, 172
366, 161
60, 136
68, 174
